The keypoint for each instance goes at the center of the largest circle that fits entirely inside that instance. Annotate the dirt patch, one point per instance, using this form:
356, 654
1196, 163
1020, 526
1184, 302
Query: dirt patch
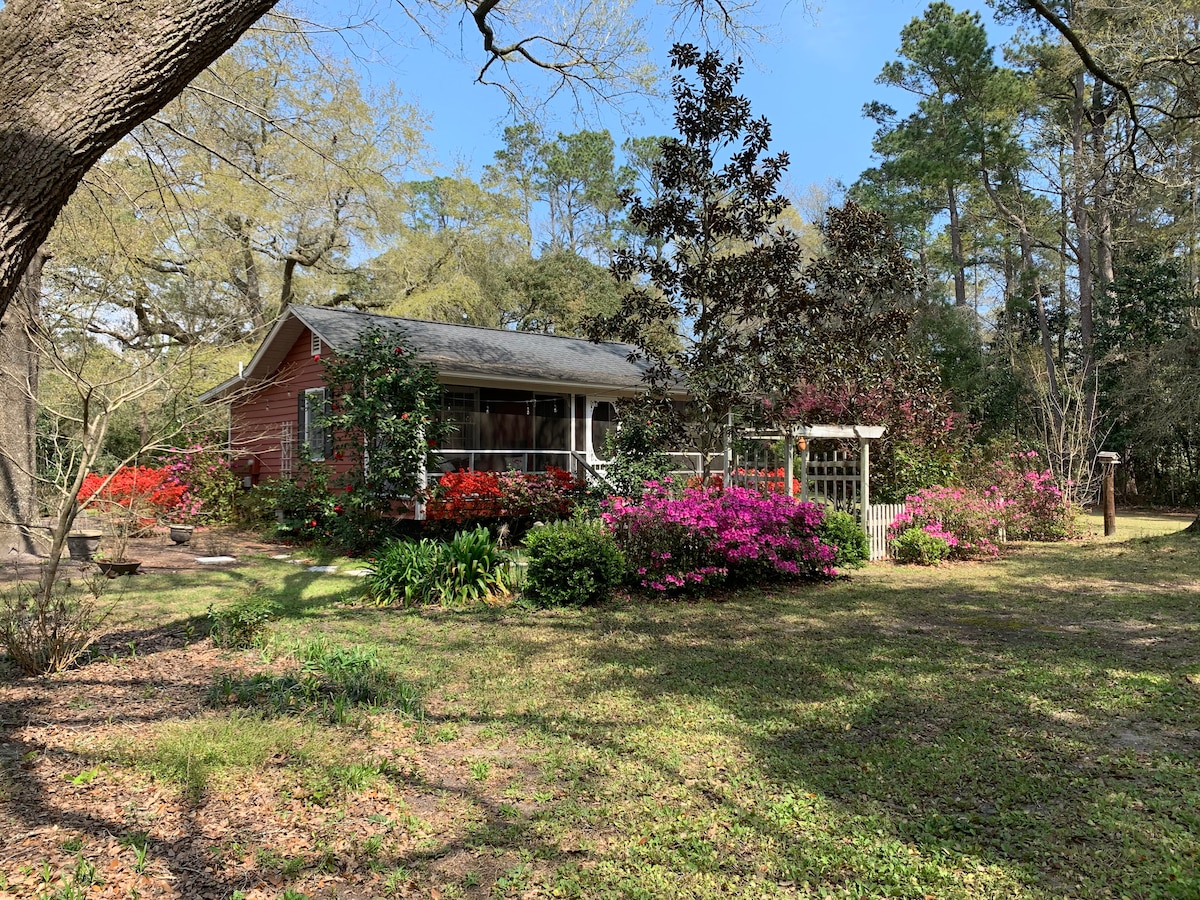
159, 555
76, 811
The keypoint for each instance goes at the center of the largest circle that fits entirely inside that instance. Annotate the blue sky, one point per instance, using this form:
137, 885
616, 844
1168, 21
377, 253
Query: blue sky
811, 84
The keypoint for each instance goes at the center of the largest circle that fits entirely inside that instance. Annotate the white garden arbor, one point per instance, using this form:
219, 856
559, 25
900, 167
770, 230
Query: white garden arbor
821, 477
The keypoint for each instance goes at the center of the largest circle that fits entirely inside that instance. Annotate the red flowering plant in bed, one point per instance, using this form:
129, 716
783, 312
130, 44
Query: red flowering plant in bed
140, 488
467, 496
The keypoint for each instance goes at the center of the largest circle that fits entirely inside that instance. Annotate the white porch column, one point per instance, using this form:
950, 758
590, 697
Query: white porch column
422, 478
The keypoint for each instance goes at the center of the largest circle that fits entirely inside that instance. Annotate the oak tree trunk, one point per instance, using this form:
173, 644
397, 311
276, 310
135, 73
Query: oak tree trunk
19, 366
75, 77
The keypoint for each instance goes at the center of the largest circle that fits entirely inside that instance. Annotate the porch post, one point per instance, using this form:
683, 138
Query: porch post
422, 479
727, 449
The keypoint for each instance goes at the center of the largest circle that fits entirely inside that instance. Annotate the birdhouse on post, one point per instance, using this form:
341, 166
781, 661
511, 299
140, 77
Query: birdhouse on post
1108, 462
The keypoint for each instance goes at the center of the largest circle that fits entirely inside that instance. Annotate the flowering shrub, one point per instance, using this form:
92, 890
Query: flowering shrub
466, 496
1033, 507
706, 535
967, 520
210, 487
135, 487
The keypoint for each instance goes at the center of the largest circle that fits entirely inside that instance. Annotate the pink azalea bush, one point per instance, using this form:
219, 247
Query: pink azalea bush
706, 535
1012, 499
1033, 506
968, 521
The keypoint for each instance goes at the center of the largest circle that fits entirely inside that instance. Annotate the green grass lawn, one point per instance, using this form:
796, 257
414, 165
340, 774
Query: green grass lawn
1025, 728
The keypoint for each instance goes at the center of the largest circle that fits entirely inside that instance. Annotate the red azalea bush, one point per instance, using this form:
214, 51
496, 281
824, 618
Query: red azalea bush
466, 496
135, 487
708, 535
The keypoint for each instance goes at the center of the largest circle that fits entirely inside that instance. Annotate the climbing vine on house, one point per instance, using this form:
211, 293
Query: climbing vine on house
383, 412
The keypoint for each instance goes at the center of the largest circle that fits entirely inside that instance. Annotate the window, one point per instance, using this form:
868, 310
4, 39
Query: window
314, 437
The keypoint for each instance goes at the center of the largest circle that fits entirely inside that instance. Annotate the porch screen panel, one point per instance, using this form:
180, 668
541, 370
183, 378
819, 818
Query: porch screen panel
505, 422
552, 424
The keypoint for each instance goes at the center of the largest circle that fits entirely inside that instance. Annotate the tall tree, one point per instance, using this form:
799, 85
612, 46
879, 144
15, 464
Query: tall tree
722, 307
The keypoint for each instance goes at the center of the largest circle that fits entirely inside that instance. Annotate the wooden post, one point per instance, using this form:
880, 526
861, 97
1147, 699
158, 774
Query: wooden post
1108, 499
1110, 502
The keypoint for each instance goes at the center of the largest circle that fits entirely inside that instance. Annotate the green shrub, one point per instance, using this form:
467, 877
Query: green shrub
241, 623
470, 568
915, 545
571, 563
473, 569
841, 530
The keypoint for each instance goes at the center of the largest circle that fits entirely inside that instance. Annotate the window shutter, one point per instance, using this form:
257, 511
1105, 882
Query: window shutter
327, 430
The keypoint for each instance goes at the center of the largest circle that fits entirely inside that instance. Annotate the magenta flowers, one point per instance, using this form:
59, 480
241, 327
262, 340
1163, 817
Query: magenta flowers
706, 535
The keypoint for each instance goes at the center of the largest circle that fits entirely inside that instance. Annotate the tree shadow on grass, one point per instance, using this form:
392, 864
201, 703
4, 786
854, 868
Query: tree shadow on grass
1065, 755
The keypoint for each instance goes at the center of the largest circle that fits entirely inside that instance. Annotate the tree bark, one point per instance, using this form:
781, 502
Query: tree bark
19, 368
75, 77
956, 247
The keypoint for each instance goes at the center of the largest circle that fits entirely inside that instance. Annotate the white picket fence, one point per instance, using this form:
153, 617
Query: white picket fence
879, 517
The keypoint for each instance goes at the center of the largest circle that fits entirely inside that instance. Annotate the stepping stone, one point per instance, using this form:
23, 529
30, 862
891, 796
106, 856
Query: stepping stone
324, 570
357, 573
215, 560
282, 556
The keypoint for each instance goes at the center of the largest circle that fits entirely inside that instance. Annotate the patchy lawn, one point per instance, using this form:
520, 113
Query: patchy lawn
1028, 728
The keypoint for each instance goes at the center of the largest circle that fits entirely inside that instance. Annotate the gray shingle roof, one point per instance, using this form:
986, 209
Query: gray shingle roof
466, 351
472, 350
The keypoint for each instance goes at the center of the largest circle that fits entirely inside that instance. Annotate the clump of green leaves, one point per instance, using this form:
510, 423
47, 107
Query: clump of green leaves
635, 451
241, 623
841, 530
470, 568
571, 563
329, 683
919, 547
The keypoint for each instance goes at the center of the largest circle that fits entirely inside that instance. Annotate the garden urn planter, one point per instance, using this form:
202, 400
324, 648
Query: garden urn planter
181, 534
82, 544
115, 568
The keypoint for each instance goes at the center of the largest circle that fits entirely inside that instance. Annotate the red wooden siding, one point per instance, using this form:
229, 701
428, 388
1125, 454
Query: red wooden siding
260, 420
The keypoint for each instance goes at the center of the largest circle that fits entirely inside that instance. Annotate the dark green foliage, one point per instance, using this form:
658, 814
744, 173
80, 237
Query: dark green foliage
717, 205
468, 569
635, 452
916, 546
386, 406
841, 530
571, 563
241, 623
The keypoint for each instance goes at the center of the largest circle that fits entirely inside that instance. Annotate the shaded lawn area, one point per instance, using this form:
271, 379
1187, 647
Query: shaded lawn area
1019, 729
